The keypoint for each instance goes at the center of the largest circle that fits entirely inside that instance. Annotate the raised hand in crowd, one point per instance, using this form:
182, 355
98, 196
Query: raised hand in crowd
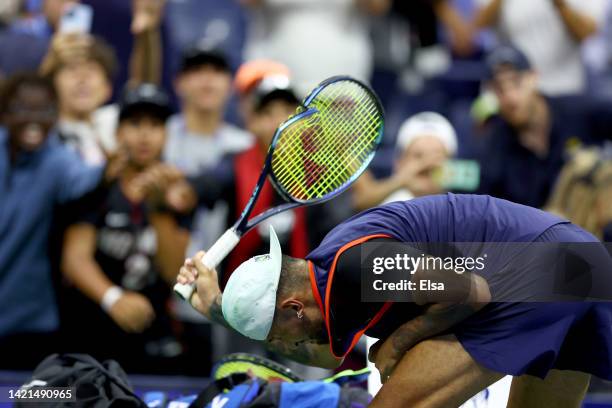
147, 15
163, 185
64, 48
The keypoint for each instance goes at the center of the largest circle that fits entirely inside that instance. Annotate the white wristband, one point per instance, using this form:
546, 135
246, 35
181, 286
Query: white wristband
111, 296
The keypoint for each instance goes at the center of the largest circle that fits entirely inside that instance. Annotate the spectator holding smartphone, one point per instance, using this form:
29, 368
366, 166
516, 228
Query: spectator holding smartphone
83, 67
424, 142
122, 255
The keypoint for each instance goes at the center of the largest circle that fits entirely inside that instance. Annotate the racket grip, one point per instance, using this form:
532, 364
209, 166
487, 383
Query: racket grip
211, 259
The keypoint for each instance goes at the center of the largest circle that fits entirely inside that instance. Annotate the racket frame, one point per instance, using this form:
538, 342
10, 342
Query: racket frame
231, 237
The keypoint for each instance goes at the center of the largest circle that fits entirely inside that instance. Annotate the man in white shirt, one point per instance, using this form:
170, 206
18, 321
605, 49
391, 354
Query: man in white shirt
550, 33
316, 39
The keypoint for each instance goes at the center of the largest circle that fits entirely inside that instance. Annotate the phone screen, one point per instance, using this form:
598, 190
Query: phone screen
462, 175
77, 18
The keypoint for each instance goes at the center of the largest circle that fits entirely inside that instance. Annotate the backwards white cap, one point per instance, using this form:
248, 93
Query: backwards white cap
428, 124
249, 298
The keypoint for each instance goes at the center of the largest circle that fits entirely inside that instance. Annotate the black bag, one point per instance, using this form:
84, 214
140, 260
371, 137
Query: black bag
95, 385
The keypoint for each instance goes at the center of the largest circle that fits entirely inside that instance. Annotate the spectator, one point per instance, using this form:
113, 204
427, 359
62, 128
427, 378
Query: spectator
43, 25
26, 40
526, 144
198, 136
424, 142
584, 191
9, 9
315, 39
549, 33
83, 67
36, 173
123, 254
266, 100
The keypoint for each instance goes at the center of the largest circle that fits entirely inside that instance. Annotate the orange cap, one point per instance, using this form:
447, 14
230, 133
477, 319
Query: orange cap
252, 72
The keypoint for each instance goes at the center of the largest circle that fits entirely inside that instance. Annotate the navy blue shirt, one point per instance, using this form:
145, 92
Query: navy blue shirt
30, 188
513, 172
440, 218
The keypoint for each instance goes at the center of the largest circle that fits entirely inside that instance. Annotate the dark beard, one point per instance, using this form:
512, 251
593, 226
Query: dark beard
317, 332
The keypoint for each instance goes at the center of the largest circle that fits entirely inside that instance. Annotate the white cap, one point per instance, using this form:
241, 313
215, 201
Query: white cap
249, 299
427, 124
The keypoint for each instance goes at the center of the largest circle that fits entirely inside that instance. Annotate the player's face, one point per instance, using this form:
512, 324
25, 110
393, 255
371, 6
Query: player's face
143, 136
263, 123
516, 92
82, 87
299, 339
30, 115
206, 88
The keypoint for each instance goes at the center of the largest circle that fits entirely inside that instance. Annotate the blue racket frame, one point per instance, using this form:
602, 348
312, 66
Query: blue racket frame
244, 224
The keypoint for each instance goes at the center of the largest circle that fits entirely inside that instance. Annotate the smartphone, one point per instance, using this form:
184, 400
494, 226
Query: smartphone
461, 175
77, 18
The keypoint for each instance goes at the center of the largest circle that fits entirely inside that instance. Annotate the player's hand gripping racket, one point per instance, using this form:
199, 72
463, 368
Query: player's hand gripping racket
315, 155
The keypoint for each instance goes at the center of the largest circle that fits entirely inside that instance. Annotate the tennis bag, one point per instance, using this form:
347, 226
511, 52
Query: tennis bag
95, 385
259, 393
247, 381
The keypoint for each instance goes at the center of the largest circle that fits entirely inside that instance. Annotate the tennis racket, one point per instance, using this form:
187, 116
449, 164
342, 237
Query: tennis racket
315, 155
269, 370
260, 367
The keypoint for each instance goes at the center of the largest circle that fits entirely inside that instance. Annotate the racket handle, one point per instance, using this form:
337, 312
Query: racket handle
211, 259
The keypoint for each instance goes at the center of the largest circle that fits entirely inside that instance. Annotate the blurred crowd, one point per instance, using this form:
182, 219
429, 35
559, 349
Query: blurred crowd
134, 139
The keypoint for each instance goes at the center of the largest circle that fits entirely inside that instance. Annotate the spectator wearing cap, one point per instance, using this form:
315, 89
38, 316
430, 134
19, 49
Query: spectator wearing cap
123, 254
550, 33
37, 173
526, 143
82, 68
424, 142
198, 136
266, 99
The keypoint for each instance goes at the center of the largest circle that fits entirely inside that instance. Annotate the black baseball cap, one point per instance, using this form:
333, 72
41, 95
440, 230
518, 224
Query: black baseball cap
506, 56
148, 98
196, 56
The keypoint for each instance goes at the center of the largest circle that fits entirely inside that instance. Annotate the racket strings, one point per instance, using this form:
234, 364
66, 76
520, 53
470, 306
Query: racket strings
342, 166
336, 175
318, 155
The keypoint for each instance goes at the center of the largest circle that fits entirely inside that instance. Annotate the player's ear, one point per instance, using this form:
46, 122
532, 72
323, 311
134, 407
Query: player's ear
293, 304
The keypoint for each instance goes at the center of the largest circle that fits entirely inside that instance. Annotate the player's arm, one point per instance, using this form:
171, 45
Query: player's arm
464, 295
208, 299
130, 310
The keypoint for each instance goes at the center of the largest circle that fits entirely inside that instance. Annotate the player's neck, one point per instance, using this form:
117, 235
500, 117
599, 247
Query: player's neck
204, 123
